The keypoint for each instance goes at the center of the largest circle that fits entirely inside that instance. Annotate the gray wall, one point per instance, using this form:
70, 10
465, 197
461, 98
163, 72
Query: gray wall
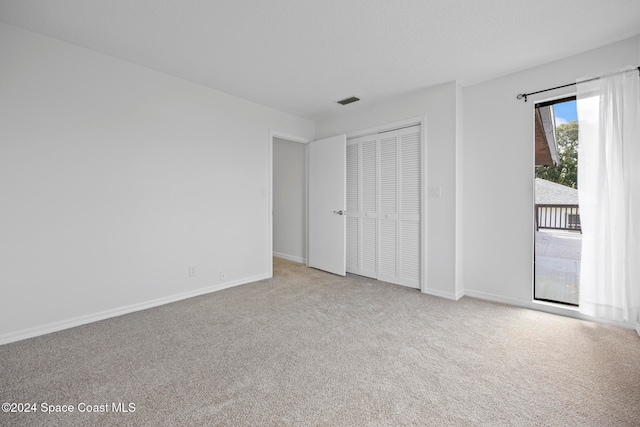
289, 200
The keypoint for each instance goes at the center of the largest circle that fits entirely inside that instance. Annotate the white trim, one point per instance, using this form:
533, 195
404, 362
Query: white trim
495, 298
306, 203
290, 258
288, 137
447, 295
107, 314
270, 206
459, 193
293, 138
421, 120
551, 308
424, 200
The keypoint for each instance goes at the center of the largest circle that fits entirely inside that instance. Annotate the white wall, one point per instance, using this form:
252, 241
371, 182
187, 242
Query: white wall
498, 169
440, 105
480, 151
115, 178
289, 200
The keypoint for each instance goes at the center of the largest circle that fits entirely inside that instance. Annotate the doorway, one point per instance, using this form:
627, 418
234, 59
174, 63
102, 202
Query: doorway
289, 198
558, 235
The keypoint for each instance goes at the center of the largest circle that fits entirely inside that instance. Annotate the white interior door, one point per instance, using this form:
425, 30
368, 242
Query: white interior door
327, 204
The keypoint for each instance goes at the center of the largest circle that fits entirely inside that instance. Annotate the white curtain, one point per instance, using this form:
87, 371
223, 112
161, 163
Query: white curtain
609, 191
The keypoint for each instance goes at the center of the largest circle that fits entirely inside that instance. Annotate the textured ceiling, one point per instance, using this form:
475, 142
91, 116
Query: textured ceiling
301, 56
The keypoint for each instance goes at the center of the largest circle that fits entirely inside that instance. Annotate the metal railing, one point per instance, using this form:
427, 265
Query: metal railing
558, 217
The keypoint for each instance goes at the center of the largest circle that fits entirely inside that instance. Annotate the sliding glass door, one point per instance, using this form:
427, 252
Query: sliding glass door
558, 237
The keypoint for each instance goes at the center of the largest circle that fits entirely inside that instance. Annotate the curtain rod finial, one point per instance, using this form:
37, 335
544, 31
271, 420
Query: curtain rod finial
521, 96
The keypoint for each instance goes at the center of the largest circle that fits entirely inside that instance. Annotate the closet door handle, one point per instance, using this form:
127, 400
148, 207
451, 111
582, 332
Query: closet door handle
339, 212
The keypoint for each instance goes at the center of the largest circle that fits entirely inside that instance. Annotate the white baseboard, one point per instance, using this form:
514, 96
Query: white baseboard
94, 317
290, 257
496, 298
558, 309
447, 295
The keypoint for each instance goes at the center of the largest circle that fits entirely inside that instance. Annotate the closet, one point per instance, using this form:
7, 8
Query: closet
383, 230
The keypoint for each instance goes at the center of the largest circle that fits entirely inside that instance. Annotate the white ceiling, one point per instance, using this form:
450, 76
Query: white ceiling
301, 56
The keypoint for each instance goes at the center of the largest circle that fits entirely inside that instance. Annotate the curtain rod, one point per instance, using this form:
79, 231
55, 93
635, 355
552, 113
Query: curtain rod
525, 95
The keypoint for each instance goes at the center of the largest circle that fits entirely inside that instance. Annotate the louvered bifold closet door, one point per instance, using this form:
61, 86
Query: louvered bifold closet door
384, 206
410, 206
388, 207
369, 206
353, 206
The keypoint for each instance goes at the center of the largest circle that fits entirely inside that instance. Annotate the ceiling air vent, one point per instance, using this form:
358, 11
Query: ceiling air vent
348, 100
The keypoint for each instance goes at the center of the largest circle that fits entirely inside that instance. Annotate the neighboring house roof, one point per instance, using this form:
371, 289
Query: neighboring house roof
551, 193
545, 137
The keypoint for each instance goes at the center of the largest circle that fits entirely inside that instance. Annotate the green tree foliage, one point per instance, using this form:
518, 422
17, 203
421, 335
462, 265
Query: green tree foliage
566, 173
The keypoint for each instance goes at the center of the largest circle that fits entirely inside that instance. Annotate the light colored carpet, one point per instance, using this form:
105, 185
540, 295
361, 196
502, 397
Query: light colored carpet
310, 348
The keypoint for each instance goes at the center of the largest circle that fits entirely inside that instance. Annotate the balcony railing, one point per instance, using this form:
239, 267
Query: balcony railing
558, 217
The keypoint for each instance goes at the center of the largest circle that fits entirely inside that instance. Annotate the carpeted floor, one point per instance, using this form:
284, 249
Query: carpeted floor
310, 348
